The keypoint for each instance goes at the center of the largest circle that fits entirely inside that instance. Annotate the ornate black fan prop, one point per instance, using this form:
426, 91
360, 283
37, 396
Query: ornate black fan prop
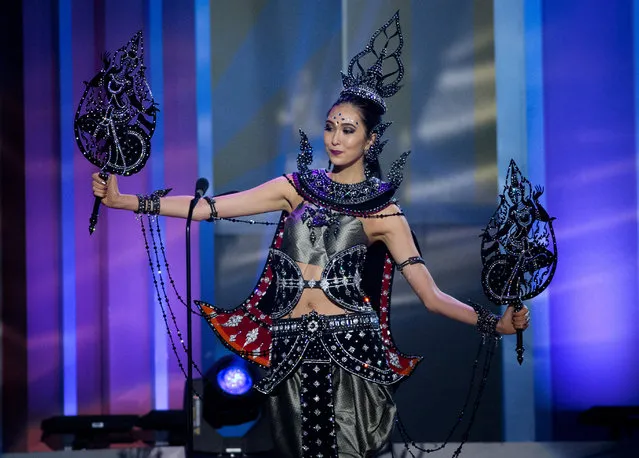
115, 119
519, 249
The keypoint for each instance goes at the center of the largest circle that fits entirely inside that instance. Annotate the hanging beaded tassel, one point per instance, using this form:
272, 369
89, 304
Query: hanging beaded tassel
488, 344
159, 266
155, 263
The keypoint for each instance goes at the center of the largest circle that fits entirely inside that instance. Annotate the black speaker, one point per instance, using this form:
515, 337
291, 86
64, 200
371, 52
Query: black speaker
621, 421
81, 432
163, 428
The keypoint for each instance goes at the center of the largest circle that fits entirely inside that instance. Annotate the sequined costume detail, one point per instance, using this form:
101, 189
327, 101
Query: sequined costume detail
340, 249
345, 262
340, 281
352, 341
365, 76
116, 117
344, 259
357, 199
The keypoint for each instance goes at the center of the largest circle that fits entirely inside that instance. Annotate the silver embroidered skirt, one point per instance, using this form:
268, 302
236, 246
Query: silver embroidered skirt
323, 409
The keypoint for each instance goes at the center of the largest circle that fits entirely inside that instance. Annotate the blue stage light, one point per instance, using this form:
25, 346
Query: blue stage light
234, 380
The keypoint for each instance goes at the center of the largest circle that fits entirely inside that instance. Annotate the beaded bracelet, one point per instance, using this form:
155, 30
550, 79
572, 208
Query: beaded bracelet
141, 204
486, 321
211, 202
155, 204
150, 204
409, 261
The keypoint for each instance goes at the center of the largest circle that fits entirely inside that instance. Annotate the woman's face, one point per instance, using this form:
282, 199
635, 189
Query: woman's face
345, 136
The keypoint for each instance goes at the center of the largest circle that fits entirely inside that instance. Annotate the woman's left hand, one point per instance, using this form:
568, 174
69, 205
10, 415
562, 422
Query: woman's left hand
511, 321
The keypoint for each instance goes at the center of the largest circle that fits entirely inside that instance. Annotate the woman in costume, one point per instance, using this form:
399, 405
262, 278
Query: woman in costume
318, 318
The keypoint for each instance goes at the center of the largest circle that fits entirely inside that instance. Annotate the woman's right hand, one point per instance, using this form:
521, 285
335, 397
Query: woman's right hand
107, 190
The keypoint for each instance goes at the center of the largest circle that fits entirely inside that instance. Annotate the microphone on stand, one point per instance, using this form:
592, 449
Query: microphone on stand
201, 186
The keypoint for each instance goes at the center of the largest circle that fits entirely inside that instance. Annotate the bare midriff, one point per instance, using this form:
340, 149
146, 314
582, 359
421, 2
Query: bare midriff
314, 299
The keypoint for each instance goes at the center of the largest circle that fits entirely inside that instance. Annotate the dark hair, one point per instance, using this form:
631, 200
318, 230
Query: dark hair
371, 116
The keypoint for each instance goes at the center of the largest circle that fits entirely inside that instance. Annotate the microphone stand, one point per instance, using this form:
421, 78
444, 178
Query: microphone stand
189, 337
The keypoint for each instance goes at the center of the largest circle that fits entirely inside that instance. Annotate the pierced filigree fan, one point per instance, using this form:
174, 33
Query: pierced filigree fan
116, 117
519, 249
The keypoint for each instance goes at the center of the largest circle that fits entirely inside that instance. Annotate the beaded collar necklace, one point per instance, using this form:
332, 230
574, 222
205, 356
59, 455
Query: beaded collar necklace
357, 199
343, 194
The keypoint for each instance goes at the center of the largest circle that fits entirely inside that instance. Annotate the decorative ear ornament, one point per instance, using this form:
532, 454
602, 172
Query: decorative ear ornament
372, 154
305, 156
396, 174
382, 52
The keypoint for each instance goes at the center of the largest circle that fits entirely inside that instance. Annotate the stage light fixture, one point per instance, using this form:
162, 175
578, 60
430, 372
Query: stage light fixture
234, 380
228, 397
228, 419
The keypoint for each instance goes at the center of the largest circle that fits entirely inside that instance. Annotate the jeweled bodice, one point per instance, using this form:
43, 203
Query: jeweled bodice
314, 234
334, 241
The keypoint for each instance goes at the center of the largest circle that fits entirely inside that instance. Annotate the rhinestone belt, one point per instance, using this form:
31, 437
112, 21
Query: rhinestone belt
314, 322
